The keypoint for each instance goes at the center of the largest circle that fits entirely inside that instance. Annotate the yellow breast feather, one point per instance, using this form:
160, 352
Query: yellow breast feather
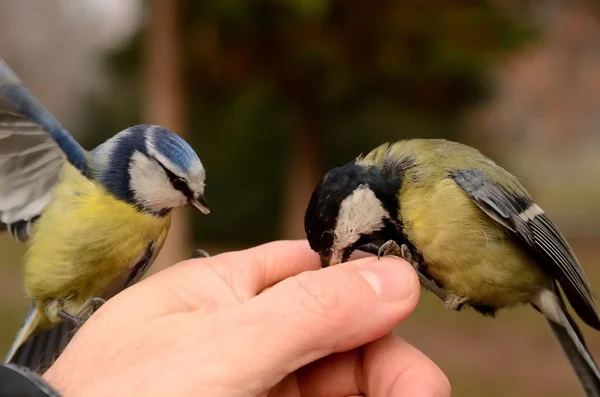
478, 261
86, 241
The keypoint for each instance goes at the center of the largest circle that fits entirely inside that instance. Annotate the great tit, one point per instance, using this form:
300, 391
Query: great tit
470, 228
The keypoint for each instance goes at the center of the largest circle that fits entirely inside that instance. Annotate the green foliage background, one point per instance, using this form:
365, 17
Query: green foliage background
361, 72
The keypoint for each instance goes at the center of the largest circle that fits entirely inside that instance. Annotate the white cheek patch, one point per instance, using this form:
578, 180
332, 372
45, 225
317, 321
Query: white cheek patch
151, 186
360, 213
196, 180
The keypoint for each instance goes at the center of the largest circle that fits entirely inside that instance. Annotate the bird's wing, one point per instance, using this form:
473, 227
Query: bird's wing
33, 147
30, 163
524, 218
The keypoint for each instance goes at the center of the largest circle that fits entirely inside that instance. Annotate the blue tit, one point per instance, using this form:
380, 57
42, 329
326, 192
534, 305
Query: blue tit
94, 221
476, 236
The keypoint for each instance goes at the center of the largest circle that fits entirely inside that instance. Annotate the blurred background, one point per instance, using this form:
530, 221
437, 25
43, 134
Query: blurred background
272, 93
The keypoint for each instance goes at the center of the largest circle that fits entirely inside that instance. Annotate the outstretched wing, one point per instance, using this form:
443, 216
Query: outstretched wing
30, 163
33, 147
527, 221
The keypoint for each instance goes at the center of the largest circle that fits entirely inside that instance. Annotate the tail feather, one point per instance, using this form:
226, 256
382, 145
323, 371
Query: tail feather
583, 364
571, 341
27, 329
38, 350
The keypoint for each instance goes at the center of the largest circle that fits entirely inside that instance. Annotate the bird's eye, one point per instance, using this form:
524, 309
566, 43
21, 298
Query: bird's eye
179, 184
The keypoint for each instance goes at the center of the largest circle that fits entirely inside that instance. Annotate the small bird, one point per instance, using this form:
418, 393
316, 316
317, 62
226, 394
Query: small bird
94, 221
469, 227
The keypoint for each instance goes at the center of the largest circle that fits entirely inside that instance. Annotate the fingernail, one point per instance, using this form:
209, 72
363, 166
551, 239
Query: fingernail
391, 279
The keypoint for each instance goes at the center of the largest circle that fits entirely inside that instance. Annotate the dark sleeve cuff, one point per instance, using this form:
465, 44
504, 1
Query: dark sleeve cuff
22, 382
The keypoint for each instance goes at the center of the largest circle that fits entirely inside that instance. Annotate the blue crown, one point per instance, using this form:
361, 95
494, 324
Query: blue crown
172, 147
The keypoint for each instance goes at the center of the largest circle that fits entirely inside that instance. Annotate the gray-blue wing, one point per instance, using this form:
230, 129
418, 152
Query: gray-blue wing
33, 147
30, 164
537, 232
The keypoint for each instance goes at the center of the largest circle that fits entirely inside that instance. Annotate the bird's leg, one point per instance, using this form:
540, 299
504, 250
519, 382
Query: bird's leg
84, 313
369, 248
390, 247
58, 309
425, 281
90, 307
200, 253
76, 321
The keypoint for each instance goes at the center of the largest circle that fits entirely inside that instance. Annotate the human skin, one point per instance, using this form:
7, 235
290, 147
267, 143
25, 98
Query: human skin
203, 328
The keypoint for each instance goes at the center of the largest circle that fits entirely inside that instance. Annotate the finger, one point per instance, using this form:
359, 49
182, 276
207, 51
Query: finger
336, 309
387, 367
234, 277
334, 375
393, 367
256, 269
288, 387
250, 271
356, 254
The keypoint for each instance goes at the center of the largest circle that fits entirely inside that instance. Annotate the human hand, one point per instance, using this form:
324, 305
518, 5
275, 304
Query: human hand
202, 328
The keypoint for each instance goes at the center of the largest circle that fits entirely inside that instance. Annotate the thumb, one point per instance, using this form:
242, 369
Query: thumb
317, 313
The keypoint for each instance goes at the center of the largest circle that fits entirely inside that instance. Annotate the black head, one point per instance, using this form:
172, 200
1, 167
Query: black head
351, 206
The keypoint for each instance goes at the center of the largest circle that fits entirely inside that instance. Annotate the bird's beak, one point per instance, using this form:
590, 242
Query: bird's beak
200, 204
331, 258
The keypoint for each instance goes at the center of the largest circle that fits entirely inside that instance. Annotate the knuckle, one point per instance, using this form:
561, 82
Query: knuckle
219, 275
319, 298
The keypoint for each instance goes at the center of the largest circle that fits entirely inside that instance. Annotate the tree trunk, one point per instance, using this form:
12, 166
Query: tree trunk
303, 172
164, 104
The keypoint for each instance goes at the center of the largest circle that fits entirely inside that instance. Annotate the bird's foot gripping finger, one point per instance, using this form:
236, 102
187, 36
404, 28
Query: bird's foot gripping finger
90, 307
95, 303
390, 247
200, 253
84, 313
405, 253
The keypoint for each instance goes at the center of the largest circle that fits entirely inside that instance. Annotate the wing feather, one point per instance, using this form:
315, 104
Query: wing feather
30, 164
519, 214
33, 148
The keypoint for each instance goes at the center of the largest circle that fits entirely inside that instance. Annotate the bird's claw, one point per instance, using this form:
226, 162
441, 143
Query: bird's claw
390, 247
95, 303
200, 253
89, 308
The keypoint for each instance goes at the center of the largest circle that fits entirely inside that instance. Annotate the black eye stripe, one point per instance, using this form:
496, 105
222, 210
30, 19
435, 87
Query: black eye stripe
177, 182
